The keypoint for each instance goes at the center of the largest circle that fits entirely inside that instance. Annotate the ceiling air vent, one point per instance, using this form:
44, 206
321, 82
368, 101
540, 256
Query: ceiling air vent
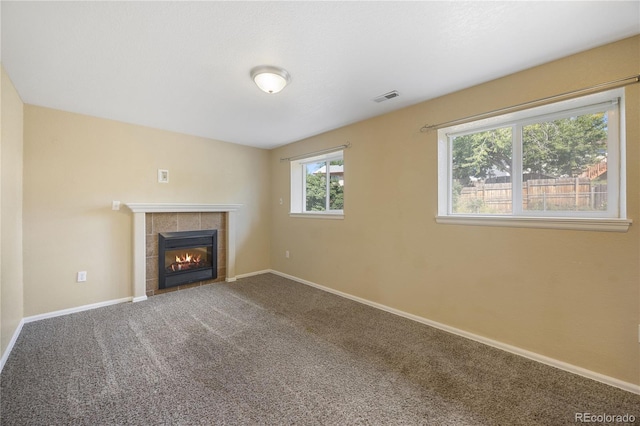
387, 96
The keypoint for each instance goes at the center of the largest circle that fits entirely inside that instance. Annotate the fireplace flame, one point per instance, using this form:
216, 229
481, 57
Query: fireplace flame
186, 261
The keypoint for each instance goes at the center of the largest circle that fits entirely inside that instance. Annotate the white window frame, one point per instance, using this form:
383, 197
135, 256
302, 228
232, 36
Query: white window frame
298, 187
613, 219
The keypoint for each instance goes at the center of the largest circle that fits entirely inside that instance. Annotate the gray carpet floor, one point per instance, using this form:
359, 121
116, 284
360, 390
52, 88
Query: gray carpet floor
267, 350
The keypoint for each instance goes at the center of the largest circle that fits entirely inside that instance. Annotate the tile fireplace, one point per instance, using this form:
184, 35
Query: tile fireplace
145, 245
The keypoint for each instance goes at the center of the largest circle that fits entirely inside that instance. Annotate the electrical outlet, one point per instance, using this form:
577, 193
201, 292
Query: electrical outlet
286, 254
82, 276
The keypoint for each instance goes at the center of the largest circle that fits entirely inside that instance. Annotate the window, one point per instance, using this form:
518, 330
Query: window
317, 185
560, 165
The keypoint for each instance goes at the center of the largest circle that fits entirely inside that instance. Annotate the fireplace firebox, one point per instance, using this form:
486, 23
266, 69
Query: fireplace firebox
187, 257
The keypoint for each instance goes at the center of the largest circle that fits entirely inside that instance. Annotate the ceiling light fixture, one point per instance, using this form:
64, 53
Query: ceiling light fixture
270, 79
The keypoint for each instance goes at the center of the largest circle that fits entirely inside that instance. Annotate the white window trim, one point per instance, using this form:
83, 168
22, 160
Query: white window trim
318, 215
571, 223
616, 220
298, 204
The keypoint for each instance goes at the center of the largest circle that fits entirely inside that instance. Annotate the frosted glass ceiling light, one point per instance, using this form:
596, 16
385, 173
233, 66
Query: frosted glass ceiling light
270, 79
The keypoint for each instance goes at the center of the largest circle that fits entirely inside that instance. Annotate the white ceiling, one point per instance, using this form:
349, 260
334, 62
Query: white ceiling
184, 66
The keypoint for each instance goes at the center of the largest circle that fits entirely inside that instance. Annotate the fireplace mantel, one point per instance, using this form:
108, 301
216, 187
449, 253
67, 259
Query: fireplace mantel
139, 230
181, 208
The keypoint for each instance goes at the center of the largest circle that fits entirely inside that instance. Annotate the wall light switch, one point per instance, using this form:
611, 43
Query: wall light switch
82, 276
115, 205
163, 176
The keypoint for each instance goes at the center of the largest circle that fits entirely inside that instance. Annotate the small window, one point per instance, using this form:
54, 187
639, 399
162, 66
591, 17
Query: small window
317, 185
561, 161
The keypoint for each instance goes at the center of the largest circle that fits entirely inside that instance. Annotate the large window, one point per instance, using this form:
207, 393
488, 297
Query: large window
560, 163
317, 185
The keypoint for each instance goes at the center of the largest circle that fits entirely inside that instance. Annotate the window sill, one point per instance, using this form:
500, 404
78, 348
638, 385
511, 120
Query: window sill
318, 215
580, 224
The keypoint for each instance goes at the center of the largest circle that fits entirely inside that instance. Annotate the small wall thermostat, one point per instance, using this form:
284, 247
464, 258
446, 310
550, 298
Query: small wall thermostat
163, 176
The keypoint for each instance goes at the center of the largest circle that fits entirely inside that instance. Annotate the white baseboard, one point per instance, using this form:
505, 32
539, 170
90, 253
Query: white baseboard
12, 342
139, 299
611, 381
251, 274
78, 309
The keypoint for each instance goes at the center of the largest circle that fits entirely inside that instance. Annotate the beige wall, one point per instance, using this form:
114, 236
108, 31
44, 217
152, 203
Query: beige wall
75, 166
569, 295
11, 139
